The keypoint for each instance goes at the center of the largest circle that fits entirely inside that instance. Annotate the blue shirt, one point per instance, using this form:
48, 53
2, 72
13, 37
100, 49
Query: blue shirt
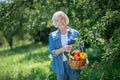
55, 43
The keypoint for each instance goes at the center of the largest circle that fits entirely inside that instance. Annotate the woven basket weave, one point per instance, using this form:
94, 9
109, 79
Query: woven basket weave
76, 64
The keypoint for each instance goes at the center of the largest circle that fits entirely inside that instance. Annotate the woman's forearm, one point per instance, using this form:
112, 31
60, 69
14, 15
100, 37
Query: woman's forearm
59, 51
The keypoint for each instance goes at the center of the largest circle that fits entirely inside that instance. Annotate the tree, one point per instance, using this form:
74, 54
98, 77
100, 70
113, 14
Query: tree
12, 20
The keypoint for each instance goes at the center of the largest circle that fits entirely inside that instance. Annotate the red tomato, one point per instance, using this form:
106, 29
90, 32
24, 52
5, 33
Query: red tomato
76, 58
77, 53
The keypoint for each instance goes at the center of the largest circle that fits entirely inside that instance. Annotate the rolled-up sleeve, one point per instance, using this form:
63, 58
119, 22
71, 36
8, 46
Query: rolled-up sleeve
51, 46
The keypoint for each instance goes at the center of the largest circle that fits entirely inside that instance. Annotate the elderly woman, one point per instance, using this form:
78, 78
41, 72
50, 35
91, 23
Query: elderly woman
61, 41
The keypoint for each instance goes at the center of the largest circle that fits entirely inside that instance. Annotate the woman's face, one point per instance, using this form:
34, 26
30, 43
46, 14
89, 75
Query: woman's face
60, 22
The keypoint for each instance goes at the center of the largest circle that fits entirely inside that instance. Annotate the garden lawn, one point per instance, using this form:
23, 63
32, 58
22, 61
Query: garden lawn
27, 62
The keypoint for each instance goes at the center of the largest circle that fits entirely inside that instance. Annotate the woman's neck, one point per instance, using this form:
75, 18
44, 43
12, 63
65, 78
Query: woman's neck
64, 30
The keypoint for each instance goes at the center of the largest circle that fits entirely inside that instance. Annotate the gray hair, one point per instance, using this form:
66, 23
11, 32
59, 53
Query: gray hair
59, 13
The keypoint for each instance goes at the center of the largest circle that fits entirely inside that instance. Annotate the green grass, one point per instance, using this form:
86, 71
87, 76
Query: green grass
25, 61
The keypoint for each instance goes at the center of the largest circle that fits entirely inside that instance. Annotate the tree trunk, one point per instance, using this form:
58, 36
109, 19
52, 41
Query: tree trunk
10, 42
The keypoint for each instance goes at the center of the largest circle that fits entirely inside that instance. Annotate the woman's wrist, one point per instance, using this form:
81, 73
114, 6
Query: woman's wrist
62, 50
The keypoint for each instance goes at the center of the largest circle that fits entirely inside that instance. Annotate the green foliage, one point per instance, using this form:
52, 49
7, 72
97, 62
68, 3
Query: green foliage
112, 48
10, 23
94, 54
102, 71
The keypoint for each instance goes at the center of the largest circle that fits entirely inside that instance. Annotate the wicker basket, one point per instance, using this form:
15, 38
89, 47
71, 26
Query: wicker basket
76, 64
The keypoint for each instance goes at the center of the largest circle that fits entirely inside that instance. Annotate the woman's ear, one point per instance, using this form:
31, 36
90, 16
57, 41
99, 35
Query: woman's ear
65, 20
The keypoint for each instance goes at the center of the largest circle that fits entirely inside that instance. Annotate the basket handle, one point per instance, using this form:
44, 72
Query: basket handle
69, 55
81, 47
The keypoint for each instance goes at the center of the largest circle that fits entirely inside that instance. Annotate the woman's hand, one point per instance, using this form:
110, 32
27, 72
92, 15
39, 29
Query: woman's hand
85, 66
68, 48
